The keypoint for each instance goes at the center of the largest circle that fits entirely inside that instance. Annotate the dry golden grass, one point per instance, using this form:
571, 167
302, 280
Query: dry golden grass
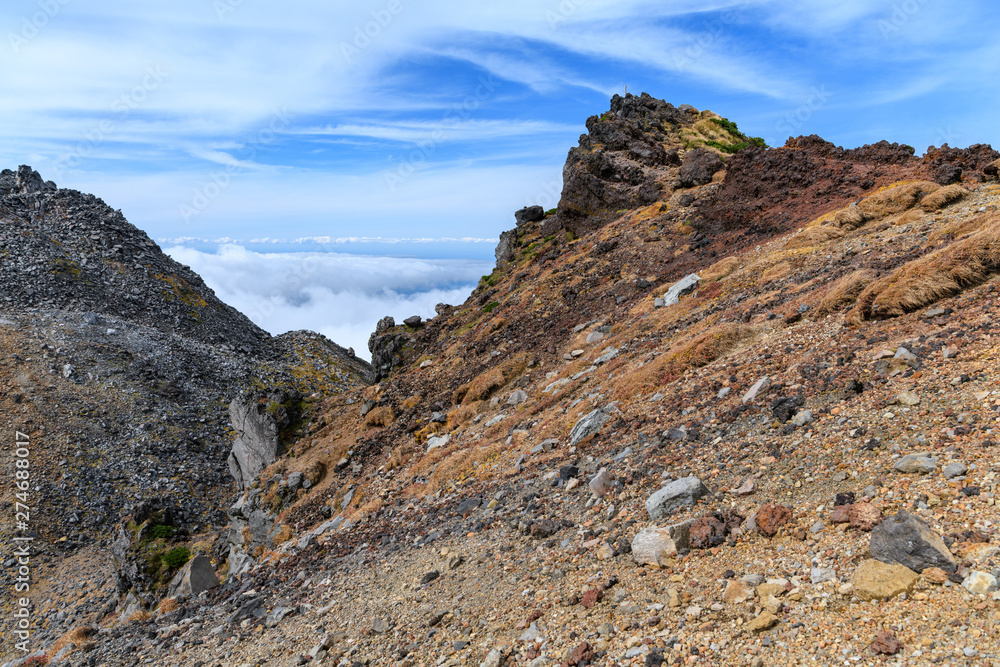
776, 272
956, 229
489, 381
699, 351
483, 386
849, 218
813, 236
167, 605
844, 292
412, 402
720, 269
464, 413
461, 464
942, 197
78, 636
380, 416
940, 274
139, 617
283, 535
895, 199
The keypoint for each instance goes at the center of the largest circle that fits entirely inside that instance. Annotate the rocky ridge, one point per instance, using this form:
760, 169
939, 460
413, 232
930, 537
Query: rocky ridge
791, 462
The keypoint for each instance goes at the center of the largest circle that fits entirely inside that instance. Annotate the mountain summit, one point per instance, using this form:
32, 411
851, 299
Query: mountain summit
708, 411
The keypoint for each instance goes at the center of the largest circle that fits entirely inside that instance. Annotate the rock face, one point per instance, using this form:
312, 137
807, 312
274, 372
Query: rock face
621, 163
389, 348
681, 493
195, 577
698, 167
504, 251
257, 419
909, 541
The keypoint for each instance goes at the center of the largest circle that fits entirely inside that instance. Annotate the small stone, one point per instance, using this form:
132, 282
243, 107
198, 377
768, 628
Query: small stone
605, 552
955, 469
654, 546
684, 492
909, 541
980, 583
818, 575
758, 389
764, 621
770, 518
864, 516
908, 398
921, 464
886, 643
429, 577
737, 592
934, 575
600, 484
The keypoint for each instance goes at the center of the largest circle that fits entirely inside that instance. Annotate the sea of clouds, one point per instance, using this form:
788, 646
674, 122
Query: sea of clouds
339, 295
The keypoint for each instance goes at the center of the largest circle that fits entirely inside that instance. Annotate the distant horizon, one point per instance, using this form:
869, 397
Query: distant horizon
374, 119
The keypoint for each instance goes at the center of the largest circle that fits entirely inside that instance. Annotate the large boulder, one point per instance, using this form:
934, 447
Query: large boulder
529, 214
588, 425
909, 541
675, 495
390, 348
685, 285
257, 418
194, 578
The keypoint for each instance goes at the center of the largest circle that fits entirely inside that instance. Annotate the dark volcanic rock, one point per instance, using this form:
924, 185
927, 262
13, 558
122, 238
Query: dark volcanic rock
621, 162
908, 540
529, 214
389, 348
698, 168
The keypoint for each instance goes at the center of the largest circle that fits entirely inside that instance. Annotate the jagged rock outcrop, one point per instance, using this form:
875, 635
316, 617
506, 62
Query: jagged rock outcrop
258, 418
390, 347
627, 159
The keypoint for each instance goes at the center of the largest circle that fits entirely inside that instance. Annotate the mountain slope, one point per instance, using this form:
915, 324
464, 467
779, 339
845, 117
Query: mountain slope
481, 503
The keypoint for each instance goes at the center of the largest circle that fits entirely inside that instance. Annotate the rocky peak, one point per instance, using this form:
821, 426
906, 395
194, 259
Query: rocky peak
24, 181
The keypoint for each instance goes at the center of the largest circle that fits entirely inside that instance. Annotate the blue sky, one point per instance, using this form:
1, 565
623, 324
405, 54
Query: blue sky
247, 119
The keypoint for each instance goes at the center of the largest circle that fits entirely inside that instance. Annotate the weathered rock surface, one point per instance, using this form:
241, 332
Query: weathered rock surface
195, 577
875, 580
675, 495
909, 541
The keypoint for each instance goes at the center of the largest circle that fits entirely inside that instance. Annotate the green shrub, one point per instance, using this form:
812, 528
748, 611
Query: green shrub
743, 140
177, 557
551, 211
488, 308
160, 531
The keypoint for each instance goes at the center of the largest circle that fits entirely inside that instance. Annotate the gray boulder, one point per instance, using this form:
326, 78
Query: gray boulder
909, 541
257, 417
675, 495
685, 285
588, 425
194, 578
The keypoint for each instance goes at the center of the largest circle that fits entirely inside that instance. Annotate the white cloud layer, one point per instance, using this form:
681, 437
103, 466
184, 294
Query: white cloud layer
338, 295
